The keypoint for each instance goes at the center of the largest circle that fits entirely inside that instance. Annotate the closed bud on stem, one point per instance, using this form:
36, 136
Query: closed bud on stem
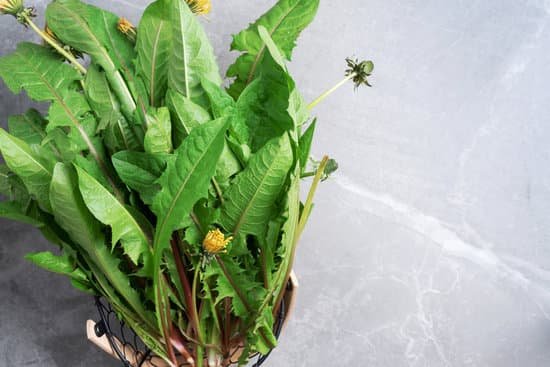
360, 71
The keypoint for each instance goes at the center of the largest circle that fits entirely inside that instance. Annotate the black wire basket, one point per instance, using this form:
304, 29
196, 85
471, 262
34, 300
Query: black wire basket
127, 347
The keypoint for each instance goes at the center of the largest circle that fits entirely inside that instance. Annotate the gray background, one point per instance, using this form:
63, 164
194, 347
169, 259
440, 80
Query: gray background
430, 247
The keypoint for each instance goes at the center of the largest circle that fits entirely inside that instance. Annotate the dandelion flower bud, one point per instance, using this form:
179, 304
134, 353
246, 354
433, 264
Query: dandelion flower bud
360, 71
12, 7
200, 7
127, 28
215, 242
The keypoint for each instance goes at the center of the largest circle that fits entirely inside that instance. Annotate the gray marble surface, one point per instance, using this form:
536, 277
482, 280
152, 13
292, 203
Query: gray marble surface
431, 246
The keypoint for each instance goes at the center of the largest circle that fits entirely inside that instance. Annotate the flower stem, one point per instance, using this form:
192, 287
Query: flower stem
299, 229
329, 92
309, 201
218, 190
55, 45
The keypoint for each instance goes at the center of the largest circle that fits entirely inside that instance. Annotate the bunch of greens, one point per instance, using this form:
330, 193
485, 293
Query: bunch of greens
175, 199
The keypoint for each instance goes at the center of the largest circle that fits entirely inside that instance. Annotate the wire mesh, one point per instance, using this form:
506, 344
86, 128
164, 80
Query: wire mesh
128, 347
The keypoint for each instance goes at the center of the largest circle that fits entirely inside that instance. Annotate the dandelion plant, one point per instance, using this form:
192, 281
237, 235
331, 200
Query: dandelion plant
174, 198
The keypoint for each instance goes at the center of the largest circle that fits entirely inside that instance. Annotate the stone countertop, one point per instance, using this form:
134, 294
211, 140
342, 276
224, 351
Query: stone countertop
431, 245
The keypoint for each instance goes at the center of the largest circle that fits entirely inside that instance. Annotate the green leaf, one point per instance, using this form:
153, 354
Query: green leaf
265, 103
120, 48
62, 145
45, 77
186, 115
12, 210
192, 58
73, 216
238, 284
52, 231
63, 265
140, 171
263, 323
228, 166
284, 22
99, 94
29, 164
187, 178
286, 249
71, 212
305, 144
72, 22
184, 182
86, 287
28, 127
221, 103
118, 133
158, 138
68, 19
73, 111
272, 47
154, 42
12, 187
264, 327
206, 214
135, 239
93, 169
252, 195
38, 71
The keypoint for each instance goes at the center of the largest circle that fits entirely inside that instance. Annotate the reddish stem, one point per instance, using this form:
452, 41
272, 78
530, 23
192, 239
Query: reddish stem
189, 301
178, 341
227, 326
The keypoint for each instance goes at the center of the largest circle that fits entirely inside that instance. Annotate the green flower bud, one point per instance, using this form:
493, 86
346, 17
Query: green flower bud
360, 71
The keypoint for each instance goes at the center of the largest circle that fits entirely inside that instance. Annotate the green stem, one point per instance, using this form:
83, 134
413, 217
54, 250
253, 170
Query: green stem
309, 201
127, 104
301, 224
218, 190
329, 92
194, 306
55, 45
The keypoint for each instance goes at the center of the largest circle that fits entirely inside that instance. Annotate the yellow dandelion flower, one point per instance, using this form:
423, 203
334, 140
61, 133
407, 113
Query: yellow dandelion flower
199, 6
215, 242
127, 28
12, 7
